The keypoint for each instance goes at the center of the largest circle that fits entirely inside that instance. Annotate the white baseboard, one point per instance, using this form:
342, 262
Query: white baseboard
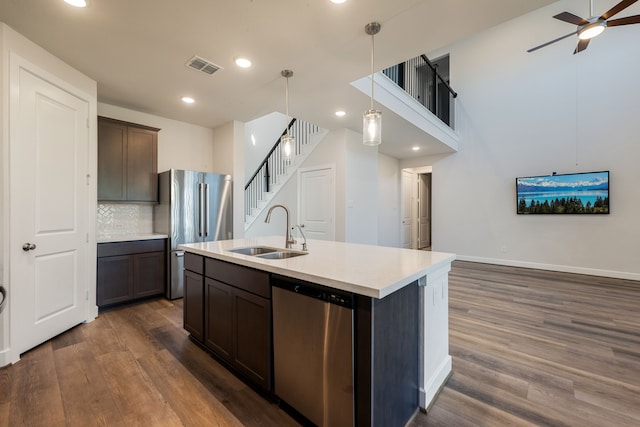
437, 381
552, 267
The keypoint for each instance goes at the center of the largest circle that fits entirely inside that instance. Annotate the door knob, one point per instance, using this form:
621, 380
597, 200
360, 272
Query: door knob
28, 247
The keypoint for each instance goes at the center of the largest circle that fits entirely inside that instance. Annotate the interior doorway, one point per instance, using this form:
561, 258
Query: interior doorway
424, 211
416, 207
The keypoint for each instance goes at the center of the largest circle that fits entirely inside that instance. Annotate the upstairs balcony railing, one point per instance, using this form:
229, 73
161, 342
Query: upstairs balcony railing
275, 164
428, 83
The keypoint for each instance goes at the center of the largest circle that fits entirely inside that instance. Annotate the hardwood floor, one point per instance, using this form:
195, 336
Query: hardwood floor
529, 348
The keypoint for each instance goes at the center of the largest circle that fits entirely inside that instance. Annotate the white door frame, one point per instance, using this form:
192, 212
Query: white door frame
332, 196
413, 208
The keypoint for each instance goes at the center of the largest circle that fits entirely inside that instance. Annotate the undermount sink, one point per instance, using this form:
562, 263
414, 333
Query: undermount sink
267, 252
281, 254
254, 250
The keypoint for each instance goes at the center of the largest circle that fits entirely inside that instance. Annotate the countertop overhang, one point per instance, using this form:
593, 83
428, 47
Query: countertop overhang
374, 271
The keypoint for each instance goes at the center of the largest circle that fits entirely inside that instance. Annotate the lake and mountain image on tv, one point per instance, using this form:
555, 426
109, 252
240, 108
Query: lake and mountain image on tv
578, 193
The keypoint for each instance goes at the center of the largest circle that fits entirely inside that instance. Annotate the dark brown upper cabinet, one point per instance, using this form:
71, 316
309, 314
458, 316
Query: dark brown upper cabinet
127, 161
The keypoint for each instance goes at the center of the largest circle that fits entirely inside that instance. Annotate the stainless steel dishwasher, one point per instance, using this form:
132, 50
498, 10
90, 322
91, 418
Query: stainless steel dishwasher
313, 351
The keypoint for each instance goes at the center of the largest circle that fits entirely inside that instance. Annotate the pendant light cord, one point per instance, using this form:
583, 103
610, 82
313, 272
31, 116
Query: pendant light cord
372, 57
286, 100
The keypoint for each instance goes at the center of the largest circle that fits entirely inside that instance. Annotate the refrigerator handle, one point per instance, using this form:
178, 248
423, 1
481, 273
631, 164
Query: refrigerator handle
201, 209
206, 210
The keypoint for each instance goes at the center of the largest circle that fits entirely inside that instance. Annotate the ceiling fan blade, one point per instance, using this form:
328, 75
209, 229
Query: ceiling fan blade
582, 45
617, 8
571, 18
635, 19
552, 41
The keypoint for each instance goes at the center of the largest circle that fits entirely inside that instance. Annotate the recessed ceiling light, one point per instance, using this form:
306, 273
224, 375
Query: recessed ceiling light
76, 3
338, 1
242, 62
188, 100
340, 113
415, 148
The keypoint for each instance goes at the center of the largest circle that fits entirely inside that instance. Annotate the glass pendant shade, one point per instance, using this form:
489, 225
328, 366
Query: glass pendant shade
287, 146
372, 127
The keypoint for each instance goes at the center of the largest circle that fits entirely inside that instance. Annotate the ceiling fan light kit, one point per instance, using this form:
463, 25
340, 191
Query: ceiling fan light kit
592, 30
588, 29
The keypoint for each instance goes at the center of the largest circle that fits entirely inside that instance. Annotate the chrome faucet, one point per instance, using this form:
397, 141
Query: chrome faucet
287, 237
304, 244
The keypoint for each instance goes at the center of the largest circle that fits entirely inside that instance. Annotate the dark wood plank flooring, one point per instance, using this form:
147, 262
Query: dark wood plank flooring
529, 347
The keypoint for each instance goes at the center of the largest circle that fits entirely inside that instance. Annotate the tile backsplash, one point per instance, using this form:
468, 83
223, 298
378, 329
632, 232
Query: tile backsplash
123, 218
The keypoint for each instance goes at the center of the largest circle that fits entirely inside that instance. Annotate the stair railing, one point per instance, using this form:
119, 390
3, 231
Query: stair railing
275, 164
432, 90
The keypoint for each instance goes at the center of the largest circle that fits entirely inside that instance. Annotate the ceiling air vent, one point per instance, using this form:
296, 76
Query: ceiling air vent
203, 65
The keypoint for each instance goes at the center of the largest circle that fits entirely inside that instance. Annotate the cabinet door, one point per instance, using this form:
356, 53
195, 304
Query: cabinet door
252, 326
193, 305
149, 274
218, 333
112, 147
142, 165
115, 279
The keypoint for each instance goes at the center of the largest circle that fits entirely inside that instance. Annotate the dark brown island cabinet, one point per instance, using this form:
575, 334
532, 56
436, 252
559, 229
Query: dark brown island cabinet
131, 270
127, 161
227, 309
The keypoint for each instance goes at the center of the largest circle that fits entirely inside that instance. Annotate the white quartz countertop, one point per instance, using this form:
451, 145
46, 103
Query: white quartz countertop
374, 271
130, 237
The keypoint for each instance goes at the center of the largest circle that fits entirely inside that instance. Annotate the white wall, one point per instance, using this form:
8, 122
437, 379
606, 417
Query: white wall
265, 131
388, 201
228, 158
180, 145
523, 114
361, 190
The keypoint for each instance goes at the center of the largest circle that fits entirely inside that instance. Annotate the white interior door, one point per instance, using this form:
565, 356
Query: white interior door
407, 210
49, 164
316, 195
424, 210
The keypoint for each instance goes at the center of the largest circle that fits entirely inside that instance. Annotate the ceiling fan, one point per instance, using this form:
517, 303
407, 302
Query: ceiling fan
589, 28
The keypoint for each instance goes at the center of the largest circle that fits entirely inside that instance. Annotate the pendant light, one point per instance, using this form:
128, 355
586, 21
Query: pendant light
372, 119
287, 140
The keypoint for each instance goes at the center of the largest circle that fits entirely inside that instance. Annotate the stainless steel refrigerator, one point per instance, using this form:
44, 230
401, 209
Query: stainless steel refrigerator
193, 207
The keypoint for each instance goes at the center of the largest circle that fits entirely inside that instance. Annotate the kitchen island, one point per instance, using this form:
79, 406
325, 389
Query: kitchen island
398, 316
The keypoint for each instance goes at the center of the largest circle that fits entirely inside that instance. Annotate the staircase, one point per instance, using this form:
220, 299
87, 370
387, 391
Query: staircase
276, 169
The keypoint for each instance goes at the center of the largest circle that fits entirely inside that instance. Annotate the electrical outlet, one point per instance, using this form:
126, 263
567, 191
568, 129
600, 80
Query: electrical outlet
503, 249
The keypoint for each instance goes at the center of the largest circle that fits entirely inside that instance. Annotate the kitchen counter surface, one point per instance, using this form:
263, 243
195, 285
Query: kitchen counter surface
373, 271
130, 237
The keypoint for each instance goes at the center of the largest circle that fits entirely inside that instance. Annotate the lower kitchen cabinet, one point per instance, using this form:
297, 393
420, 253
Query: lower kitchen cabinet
127, 271
193, 304
252, 332
218, 326
229, 312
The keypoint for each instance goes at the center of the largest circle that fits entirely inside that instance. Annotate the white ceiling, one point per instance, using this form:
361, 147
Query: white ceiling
137, 49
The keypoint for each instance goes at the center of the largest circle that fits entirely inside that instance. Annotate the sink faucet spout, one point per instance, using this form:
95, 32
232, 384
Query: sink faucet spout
287, 235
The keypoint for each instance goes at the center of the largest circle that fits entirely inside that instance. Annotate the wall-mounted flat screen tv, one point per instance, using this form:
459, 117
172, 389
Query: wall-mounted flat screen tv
576, 193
